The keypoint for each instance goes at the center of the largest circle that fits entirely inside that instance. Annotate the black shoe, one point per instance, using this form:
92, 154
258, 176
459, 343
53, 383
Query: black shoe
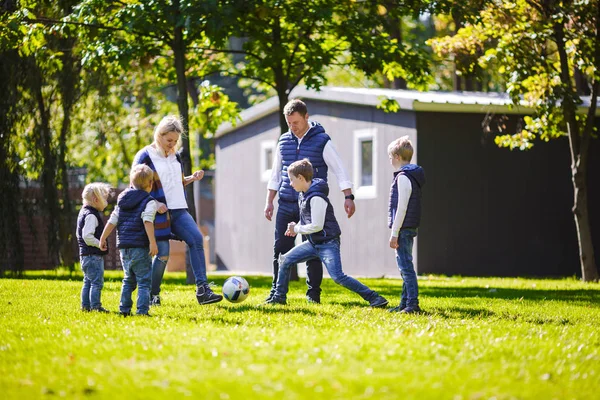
397, 309
411, 310
205, 295
313, 299
100, 309
273, 301
270, 296
125, 313
378, 302
155, 300
86, 309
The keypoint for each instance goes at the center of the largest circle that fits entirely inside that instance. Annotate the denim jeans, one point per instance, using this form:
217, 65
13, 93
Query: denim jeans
184, 226
289, 212
137, 266
93, 281
159, 264
329, 254
404, 258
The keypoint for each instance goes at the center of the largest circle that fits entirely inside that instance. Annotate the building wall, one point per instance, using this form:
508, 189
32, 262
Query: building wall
492, 211
244, 238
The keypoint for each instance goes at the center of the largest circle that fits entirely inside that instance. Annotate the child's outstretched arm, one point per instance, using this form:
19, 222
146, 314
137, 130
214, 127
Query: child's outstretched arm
149, 226
105, 234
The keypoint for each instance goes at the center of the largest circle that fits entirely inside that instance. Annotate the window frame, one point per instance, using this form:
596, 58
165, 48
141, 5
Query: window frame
360, 136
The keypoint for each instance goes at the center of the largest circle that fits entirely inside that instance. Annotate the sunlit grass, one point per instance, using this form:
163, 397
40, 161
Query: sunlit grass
478, 339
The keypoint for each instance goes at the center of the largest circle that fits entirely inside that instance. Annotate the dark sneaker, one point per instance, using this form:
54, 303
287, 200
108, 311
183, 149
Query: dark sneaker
270, 296
205, 295
378, 302
411, 310
86, 309
274, 300
100, 309
125, 313
313, 299
397, 309
155, 300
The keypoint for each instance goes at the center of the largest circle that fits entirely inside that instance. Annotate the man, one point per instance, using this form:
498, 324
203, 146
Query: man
305, 139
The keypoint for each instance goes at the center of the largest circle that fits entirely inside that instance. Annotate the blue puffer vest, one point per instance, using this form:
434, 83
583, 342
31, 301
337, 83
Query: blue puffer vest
130, 228
84, 249
416, 175
331, 230
311, 147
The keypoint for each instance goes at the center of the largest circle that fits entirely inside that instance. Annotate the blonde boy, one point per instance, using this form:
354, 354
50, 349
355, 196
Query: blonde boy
404, 217
134, 219
89, 228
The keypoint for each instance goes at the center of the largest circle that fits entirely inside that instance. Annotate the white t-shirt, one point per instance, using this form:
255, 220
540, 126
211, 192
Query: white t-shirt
169, 172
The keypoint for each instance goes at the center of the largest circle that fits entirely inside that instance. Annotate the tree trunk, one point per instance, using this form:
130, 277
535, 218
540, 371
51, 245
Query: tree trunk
48, 173
579, 146
68, 80
179, 50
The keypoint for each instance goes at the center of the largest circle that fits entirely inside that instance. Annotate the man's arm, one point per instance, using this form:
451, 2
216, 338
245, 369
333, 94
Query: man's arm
273, 185
334, 163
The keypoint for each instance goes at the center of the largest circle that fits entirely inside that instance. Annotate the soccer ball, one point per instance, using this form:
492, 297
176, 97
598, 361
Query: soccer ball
236, 289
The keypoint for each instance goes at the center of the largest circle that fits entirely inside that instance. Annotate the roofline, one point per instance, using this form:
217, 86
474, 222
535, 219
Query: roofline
457, 102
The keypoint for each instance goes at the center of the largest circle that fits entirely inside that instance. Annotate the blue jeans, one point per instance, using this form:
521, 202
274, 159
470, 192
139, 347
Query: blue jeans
404, 258
93, 281
289, 212
159, 264
137, 266
329, 254
184, 226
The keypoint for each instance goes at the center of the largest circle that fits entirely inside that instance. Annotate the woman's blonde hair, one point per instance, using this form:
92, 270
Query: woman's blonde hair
168, 124
98, 189
401, 147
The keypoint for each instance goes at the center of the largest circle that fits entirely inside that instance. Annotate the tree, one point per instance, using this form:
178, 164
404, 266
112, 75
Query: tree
290, 42
538, 45
170, 37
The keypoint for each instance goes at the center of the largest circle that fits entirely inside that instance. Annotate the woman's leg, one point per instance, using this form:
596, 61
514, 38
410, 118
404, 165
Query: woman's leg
159, 264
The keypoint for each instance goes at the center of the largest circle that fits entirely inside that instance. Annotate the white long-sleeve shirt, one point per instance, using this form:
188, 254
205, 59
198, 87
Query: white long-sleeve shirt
169, 172
89, 227
331, 158
148, 214
404, 192
318, 207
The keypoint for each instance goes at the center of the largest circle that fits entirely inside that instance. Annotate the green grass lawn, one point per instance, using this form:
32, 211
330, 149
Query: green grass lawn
478, 339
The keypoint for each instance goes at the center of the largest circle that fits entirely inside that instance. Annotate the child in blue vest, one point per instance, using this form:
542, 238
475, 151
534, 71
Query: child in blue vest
318, 224
404, 217
134, 219
89, 228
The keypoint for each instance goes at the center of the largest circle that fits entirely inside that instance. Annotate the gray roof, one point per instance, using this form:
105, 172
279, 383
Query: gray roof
464, 102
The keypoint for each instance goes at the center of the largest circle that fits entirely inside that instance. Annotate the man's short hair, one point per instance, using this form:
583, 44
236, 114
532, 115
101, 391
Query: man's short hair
295, 105
141, 176
301, 168
401, 147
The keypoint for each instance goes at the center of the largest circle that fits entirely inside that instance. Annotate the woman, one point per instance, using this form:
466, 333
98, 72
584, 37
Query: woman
173, 219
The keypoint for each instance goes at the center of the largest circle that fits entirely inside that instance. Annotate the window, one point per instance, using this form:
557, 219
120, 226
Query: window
267, 153
365, 163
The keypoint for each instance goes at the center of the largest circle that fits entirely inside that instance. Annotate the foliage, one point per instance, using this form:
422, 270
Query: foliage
479, 338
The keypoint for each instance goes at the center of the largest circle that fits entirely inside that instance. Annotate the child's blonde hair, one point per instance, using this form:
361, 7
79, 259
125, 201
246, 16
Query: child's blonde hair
141, 176
301, 168
401, 147
168, 124
96, 189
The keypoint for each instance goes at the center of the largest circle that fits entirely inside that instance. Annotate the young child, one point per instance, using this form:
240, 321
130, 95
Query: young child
404, 216
134, 219
318, 224
89, 228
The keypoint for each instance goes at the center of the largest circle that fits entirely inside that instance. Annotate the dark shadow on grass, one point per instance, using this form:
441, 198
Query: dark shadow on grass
586, 295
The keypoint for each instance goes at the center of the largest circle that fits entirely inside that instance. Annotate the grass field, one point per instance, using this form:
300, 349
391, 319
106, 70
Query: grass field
479, 339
